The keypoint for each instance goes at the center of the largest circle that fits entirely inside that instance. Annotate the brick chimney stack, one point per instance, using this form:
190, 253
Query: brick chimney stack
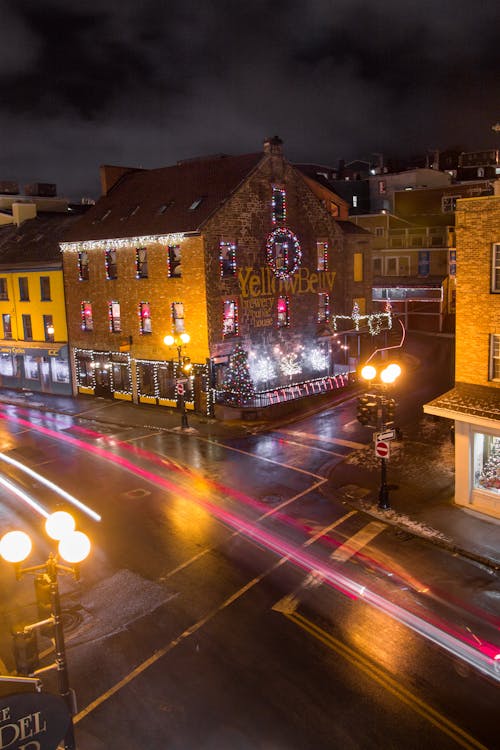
273, 146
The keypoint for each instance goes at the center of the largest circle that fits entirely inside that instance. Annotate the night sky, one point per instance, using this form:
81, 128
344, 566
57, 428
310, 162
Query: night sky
148, 82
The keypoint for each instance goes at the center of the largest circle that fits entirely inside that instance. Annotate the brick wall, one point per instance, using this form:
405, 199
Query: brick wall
478, 310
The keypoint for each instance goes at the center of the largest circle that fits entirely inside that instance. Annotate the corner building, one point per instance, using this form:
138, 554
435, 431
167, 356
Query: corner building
229, 249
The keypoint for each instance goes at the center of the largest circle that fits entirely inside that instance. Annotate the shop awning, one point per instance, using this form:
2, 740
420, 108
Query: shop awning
476, 404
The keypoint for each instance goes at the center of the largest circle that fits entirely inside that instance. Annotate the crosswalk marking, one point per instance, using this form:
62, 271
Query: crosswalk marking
357, 541
324, 439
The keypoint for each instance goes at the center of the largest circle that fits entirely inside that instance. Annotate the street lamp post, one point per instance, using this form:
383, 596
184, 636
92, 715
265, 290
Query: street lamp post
382, 419
185, 367
73, 547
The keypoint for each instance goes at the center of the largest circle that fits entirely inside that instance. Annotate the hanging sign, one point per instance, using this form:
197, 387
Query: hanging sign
32, 721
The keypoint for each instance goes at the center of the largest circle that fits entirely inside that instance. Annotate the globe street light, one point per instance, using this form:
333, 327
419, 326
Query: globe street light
185, 367
73, 547
377, 409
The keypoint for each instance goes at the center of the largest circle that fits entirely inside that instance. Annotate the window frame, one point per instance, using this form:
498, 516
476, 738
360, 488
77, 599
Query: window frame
48, 322
4, 289
278, 205
83, 267
141, 267
286, 322
24, 289
113, 328
178, 321
495, 268
27, 327
494, 362
227, 334
322, 255
7, 330
111, 265
87, 315
323, 297
228, 263
172, 263
143, 307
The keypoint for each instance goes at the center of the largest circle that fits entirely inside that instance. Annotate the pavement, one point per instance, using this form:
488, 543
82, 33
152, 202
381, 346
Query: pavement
420, 470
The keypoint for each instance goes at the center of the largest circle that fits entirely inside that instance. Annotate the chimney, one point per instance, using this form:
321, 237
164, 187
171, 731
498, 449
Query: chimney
22, 212
273, 146
110, 175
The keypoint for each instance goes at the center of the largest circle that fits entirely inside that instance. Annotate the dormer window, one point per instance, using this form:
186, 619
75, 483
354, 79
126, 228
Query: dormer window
194, 205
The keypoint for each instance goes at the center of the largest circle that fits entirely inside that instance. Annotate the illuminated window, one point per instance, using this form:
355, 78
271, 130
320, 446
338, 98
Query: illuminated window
354, 201
115, 325
144, 317
111, 264
230, 318
449, 203
48, 327
495, 268
45, 288
87, 319
283, 312
486, 462
279, 205
227, 258
178, 317
174, 262
358, 266
322, 255
141, 263
7, 326
323, 307
83, 266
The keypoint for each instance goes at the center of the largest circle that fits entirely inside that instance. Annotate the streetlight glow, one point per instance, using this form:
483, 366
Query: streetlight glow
15, 546
395, 368
368, 372
185, 338
387, 376
74, 547
59, 524
169, 340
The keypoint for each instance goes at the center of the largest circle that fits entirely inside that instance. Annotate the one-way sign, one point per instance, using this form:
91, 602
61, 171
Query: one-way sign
386, 435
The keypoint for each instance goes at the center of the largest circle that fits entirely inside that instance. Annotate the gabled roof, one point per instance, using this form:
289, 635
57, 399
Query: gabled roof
172, 199
36, 241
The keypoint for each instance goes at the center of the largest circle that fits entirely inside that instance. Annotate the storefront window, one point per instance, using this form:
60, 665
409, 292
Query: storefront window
60, 370
120, 370
31, 370
145, 371
487, 462
8, 365
85, 370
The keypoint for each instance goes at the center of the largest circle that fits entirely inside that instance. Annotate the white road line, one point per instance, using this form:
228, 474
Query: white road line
357, 541
263, 458
324, 439
313, 447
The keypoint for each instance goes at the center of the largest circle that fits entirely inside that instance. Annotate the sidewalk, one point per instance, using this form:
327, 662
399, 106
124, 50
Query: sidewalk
421, 466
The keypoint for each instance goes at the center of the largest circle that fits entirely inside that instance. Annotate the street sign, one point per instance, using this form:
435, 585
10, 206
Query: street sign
180, 389
386, 435
382, 449
33, 721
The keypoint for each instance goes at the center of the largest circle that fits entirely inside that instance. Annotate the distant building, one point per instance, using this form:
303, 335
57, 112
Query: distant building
474, 165
382, 187
33, 334
474, 402
236, 251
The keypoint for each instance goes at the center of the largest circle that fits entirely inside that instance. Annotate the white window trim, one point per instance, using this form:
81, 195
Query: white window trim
493, 337
495, 266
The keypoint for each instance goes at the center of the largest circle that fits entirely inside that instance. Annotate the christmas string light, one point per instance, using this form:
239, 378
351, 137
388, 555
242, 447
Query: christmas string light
292, 253
230, 325
375, 321
227, 258
123, 242
278, 205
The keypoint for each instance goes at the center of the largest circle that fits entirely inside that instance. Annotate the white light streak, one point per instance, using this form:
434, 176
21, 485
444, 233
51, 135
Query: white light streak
26, 498
51, 486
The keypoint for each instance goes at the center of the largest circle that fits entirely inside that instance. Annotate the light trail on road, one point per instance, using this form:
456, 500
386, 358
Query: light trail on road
54, 487
483, 656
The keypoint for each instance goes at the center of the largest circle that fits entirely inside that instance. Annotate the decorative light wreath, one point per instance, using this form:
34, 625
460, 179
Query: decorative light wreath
292, 257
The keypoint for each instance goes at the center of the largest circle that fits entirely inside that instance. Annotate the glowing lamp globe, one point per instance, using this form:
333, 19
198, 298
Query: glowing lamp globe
395, 369
368, 372
185, 338
169, 340
15, 546
74, 547
387, 376
59, 524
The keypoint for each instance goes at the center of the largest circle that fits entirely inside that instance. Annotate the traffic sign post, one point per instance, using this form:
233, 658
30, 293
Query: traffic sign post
382, 449
385, 435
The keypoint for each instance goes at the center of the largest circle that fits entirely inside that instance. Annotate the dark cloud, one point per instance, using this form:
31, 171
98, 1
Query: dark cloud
146, 83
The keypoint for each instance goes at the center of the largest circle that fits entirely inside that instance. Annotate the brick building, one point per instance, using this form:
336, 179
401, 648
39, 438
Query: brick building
232, 250
474, 403
33, 335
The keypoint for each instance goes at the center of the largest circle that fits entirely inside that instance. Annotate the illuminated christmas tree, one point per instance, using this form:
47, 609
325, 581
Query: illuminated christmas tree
238, 386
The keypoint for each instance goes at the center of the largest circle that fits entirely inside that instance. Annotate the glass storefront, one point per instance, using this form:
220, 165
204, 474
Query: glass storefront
487, 462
